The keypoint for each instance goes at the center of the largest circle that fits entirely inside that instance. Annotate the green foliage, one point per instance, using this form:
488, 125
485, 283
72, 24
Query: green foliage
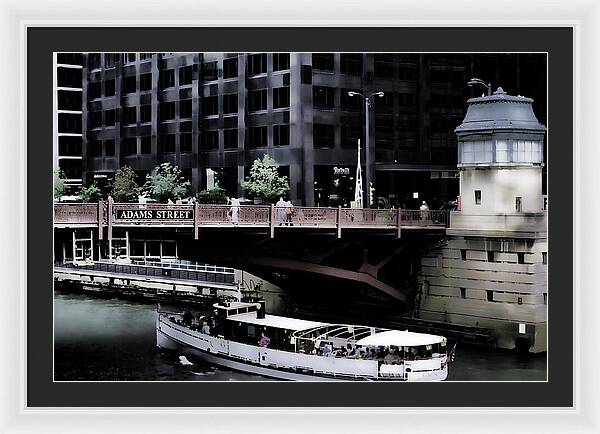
167, 183
264, 180
90, 194
125, 187
60, 188
214, 195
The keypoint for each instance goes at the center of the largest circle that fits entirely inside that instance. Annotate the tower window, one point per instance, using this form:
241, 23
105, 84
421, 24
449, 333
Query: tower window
521, 257
463, 292
477, 197
544, 257
518, 204
490, 256
463, 254
490, 295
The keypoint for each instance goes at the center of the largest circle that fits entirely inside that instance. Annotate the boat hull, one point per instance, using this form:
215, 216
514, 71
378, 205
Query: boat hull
167, 342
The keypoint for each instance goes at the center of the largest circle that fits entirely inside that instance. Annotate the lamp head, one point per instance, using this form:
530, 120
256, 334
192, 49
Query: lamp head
380, 94
352, 93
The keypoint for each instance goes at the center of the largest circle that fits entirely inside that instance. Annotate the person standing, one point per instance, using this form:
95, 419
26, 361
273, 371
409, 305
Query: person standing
264, 340
289, 212
280, 206
424, 211
234, 211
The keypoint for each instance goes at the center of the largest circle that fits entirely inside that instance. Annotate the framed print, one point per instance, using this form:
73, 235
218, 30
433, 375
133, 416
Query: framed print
302, 221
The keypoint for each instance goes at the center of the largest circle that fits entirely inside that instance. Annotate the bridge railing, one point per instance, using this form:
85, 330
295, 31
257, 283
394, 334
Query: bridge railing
424, 218
77, 213
128, 214
368, 217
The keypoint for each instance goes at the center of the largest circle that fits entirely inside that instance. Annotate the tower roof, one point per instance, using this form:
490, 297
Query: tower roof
499, 111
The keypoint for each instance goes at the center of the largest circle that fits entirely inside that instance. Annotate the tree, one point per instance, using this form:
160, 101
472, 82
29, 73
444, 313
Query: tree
125, 187
167, 183
214, 195
60, 188
90, 194
264, 180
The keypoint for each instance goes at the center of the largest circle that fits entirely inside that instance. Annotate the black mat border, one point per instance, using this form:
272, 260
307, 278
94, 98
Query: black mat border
42, 42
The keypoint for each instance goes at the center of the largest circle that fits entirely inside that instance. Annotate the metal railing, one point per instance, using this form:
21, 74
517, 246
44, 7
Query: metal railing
223, 276
132, 214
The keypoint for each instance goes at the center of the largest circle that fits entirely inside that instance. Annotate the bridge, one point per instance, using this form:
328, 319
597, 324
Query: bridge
195, 217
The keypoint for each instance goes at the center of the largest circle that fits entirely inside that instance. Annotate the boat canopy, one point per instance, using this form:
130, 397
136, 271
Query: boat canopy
400, 339
280, 322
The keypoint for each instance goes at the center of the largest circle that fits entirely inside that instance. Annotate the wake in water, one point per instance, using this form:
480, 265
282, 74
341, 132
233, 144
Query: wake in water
184, 361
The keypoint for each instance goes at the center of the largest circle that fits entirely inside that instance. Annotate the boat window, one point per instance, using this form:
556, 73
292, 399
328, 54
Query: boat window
251, 331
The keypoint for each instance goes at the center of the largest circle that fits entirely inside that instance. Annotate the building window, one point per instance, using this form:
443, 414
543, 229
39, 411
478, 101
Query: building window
544, 257
94, 90
210, 105
129, 146
167, 78
145, 145
281, 97
210, 71
167, 111
490, 295
521, 257
109, 118
110, 60
230, 103
230, 137
96, 148
463, 293
130, 57
477, 197
185, 143
129, 85
322, 61
350, 136
95, 119
230, 67
323, 98
258, 137
145, 113
351, 64
167, 144
281, 61
68, 77
463, 254
281, 135
527, 151
257, 64
384, 104
185, 75
146, 56
210, 140
545, 297
257, 100
323, 136
71, 122
384, 133
94, 61
109, 88
69, 146
518, 204
407, 73
109, 147
145, 82
68, 100
185, 108
383, 66
490, 256
407, 99
129, 115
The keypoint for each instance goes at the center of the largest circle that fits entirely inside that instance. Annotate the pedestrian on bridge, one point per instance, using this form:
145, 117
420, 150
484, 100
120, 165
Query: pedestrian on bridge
424, 211
280, 206
289, 213
234, 211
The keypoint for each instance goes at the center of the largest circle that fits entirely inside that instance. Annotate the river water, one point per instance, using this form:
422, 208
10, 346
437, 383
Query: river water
110, 339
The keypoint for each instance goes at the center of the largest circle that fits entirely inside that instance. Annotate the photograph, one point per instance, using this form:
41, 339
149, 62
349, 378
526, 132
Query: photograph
300, 216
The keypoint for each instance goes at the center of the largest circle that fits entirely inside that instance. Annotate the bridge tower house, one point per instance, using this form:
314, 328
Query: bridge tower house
491, 272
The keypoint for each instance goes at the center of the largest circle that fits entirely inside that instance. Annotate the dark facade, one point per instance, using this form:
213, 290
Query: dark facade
223, 110
68, 129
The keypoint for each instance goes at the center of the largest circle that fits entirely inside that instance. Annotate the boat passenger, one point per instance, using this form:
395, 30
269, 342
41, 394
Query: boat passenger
264, 340
205, 328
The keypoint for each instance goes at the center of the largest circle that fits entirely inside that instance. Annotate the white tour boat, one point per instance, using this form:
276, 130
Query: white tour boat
242, 337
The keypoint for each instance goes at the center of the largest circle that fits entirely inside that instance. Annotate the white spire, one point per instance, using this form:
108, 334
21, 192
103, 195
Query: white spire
358, 188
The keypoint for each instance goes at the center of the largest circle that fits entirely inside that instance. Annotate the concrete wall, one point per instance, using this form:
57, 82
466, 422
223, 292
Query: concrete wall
499, 187
462, 283
275, 297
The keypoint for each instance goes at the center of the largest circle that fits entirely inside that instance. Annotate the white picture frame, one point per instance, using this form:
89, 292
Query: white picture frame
17, 15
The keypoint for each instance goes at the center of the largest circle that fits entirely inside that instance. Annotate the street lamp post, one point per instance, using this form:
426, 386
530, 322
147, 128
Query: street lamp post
475, 81
368, 174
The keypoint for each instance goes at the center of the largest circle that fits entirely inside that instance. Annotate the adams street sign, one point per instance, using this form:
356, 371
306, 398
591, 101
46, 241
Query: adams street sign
154, 214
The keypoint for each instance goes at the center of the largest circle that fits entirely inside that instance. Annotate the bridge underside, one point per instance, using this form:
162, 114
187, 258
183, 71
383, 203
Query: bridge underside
360, 271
